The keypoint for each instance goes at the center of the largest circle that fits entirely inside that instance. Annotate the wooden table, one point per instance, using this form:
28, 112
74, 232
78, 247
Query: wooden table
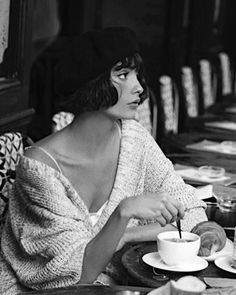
179, 142
224, 187
93, 289
143, 273
217, 112
177, 151
132, 260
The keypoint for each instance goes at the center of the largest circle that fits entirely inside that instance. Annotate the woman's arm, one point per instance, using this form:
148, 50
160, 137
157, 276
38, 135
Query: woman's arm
103, 246
143, 233
160, 174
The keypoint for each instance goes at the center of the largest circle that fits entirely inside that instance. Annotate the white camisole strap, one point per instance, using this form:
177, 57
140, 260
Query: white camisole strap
119, 128
48, 154
94, 216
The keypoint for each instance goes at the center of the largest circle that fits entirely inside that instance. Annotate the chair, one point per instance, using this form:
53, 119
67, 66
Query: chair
225, 95
190, 92
226, 74
208, 85
189, 97
61, 120
11, 148
168, 109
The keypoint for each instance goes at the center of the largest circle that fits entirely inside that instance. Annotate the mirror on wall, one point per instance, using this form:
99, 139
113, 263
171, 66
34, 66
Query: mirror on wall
15, 61
11, 25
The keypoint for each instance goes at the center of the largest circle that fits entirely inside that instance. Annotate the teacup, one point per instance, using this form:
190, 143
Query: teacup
226, 203
174, 250
225, 198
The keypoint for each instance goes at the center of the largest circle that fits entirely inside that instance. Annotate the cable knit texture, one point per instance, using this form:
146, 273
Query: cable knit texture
49, 226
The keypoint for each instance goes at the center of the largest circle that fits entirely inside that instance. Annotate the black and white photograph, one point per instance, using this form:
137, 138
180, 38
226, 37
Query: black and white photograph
117, 147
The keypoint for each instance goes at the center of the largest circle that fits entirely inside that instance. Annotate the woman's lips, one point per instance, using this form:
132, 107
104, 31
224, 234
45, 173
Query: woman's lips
135, 102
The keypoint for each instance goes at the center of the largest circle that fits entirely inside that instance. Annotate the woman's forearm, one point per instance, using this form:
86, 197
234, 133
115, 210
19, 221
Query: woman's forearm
149, 232
103, 246
107, 241
143, 233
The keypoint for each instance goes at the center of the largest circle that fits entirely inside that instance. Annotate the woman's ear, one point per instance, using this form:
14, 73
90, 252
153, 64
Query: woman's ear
114, 78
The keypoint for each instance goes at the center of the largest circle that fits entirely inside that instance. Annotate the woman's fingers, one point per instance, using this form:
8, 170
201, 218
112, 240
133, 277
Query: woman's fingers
181, 210
166, 213
161, 207
176, 208
173, 209
161, 220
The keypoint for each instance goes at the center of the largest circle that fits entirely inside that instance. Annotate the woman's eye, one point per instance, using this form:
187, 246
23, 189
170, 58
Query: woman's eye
123, 76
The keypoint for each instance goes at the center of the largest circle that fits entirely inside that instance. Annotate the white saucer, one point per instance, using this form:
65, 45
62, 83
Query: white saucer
227, 250
153, 259
225, 262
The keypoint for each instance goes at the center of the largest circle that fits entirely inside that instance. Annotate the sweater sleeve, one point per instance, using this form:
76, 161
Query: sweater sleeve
160, 175
46, 233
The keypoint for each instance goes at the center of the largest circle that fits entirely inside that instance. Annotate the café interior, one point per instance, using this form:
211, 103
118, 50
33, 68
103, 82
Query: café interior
189, 52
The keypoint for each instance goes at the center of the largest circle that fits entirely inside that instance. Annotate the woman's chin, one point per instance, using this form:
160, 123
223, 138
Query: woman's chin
130, 116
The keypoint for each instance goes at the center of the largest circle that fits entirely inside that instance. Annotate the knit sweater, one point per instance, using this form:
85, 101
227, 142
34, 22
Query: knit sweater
49, 226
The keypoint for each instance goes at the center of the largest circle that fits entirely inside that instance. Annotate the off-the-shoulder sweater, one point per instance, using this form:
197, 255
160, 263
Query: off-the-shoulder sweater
49, 225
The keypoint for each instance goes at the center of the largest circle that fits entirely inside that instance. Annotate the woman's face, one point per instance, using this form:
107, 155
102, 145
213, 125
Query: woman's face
129, 89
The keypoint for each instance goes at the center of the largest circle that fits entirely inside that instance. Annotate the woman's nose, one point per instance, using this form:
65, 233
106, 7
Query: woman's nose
138, 86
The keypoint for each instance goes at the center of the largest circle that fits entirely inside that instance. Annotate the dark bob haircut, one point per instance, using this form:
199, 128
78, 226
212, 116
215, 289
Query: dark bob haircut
100, 94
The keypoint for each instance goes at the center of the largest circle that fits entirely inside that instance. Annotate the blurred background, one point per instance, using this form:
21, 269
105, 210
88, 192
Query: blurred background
172, 34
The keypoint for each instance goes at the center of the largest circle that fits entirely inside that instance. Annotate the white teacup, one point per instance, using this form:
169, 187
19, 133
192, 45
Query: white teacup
173, 251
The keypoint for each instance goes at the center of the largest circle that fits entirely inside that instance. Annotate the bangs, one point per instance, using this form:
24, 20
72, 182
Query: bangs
130, 62
135, 62
101, 94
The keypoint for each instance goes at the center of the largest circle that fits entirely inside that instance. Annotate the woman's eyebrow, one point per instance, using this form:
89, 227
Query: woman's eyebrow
122, 70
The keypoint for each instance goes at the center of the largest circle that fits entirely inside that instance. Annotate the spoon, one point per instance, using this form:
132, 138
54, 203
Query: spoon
159, 276
179, 228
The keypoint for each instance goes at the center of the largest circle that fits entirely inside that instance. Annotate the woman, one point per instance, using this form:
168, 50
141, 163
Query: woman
83, 192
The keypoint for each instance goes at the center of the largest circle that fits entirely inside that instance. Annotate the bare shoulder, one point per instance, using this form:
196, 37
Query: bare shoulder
42, 151
33, 152
36, 152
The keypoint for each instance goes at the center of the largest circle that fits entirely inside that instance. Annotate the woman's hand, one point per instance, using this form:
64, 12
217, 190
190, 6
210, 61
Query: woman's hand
156, 206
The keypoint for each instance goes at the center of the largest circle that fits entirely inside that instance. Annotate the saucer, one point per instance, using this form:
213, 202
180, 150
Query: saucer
153, 259
211, 171
224, 262
227, 250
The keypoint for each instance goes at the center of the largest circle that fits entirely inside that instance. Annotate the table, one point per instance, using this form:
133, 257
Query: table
93, 289
179, 142
132, 260
142, 273
224, 187
177, 151
217, 112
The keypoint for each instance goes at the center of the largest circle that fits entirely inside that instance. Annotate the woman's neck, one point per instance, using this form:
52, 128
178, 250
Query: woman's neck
92, 132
